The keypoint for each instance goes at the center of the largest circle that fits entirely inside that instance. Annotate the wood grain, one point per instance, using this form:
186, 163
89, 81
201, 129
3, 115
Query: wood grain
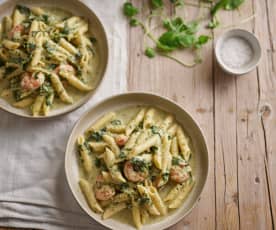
237, 115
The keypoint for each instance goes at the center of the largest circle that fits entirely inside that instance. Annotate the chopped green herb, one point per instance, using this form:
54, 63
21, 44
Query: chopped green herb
153, 149
116, 122
165, 176
144, 200
139, 165
23, 9
175, 161
155, 130
122, 155
129, 10
97, 162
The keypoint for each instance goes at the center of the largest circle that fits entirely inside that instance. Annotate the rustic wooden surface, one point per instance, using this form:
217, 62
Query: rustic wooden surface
237, 115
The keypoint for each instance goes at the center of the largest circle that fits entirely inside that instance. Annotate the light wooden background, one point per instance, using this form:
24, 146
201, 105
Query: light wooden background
237, 115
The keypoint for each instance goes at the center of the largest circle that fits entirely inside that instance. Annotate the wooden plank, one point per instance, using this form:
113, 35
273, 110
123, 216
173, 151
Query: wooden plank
254, 202
267, 94
227, 205
193, 89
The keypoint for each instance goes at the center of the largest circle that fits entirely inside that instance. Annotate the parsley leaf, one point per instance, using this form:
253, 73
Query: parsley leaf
150, 52
129, 10
227, 5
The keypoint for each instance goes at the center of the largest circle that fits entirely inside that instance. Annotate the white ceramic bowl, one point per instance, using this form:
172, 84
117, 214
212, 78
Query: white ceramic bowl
253, 42
114, 103
77, 8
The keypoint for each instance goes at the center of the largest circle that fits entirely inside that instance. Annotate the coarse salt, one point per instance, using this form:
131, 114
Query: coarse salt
236, 52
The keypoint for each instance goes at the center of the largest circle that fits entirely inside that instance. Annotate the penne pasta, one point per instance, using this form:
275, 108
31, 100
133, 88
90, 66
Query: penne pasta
141, 169
101, 122
135, 122
113, 209
89, 195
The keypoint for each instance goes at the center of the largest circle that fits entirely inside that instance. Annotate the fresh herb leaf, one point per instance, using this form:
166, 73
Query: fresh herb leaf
177, 2
153, 149
122, 155
134, 22
144, 200
139, 165
97, 162
157, 4
150, 52
93, 40
226, 4
116, 122
202, 40
96, 136
175, 161
155, 130
129, 10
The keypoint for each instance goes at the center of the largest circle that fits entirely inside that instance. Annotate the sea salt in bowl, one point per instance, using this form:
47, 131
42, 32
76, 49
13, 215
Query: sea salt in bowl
238, 51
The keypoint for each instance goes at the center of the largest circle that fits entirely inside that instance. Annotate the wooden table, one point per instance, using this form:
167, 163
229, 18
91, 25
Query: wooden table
237, 115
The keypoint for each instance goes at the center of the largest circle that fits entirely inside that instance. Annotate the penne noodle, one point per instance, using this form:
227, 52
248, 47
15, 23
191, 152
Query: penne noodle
113, 209
111, 144
100, 123
135, 122
89, 195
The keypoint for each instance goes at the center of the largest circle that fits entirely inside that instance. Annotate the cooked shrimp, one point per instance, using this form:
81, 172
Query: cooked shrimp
178, 174
32, 81
16, 31
104, 192
65, 67
121, 140
134, 175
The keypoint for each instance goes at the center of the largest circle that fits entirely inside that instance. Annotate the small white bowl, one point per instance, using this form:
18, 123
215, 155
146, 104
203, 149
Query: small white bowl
252, 41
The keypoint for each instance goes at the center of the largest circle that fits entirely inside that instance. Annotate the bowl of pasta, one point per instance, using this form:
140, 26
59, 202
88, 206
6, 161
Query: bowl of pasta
136, 161
53, 56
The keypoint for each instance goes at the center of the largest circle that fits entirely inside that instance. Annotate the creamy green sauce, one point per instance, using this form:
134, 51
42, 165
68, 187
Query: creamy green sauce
125, 115
92, 77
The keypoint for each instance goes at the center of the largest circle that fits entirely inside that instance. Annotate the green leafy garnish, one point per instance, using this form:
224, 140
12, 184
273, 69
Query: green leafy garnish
150, 52
157, 4
134, 22
129, 10
227, 5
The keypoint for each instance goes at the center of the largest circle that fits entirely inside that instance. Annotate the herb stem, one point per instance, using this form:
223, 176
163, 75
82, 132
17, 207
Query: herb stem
190, 65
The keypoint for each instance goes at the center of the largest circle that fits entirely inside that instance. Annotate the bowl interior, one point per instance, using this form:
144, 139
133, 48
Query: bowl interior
76, 8
254, 43
114, 103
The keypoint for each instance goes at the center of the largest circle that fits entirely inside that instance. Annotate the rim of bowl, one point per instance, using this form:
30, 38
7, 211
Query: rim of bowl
145, 94
240, 33
73, 107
